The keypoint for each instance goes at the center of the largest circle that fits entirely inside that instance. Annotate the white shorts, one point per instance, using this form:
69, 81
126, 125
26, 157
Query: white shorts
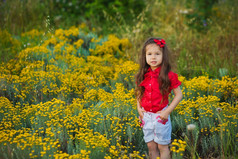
156, 131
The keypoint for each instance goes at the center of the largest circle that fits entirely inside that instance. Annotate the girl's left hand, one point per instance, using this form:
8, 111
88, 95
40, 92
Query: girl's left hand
163, 115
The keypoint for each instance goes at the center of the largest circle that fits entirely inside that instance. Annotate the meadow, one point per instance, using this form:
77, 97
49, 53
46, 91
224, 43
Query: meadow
67, 77
70, 94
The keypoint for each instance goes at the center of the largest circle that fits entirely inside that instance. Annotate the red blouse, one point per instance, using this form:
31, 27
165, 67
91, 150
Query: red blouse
151, 100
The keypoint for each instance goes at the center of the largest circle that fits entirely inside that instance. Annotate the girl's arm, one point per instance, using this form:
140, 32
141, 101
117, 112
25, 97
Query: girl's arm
178, 95
140, 110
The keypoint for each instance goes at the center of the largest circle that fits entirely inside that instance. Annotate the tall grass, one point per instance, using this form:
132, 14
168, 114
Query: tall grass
212, 50
20, 16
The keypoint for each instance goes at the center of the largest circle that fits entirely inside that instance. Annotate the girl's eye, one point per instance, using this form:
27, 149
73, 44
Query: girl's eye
155, 54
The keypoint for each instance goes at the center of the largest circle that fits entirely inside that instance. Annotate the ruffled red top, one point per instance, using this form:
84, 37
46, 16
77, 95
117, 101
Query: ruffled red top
151, 100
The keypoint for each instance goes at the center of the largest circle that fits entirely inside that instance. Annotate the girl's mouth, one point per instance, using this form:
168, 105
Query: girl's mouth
153, 62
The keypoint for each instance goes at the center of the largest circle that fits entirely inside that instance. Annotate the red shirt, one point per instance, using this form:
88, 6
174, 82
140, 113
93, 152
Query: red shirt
151, 100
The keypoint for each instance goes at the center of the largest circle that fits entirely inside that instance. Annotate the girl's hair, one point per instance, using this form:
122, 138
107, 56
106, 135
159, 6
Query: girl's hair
163, 78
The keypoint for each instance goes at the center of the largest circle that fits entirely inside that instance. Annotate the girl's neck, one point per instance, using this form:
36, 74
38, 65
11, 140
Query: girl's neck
154, 68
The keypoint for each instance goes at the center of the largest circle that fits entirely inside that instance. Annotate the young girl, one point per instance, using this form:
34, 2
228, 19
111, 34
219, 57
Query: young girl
154, 83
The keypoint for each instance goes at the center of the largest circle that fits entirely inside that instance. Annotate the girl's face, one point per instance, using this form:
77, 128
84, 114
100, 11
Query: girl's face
154, 56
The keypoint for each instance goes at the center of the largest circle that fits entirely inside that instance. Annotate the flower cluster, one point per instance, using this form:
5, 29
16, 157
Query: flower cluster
178, 146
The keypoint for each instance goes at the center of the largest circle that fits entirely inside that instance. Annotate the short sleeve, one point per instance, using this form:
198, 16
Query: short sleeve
174, 80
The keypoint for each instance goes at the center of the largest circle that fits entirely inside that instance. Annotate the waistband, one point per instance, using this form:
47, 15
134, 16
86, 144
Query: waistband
156, 113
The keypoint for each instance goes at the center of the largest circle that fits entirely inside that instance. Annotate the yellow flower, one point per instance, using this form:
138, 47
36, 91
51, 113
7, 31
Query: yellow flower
78, 43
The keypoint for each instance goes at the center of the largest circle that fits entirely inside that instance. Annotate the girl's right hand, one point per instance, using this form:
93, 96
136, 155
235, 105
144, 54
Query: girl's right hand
141, 112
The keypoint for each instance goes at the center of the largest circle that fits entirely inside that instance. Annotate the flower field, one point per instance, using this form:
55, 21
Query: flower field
70, 94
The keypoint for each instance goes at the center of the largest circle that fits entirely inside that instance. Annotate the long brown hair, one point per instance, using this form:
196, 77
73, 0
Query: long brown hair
163, 79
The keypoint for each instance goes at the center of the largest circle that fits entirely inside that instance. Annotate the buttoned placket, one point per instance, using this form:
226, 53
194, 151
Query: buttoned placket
150, 92
150, 80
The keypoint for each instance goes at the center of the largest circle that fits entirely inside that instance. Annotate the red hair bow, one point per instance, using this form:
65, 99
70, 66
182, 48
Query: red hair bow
161, 42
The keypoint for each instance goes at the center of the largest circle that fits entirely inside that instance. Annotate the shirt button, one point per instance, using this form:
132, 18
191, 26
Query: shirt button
150, 109
149, 84
150, 101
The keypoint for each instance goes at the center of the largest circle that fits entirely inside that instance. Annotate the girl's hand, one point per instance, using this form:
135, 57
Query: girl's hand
163, 114
141, 112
